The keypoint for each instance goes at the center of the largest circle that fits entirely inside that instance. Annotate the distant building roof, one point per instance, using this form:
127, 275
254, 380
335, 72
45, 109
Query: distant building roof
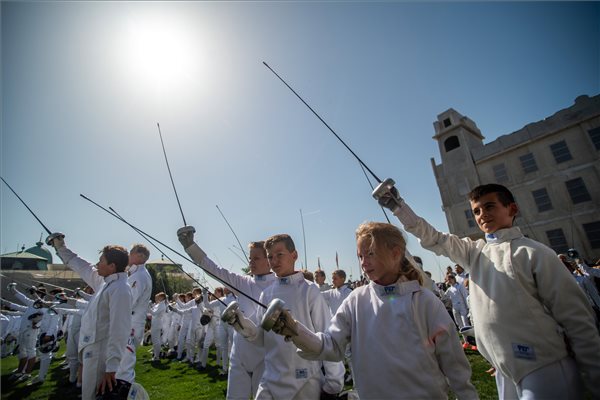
584, 108
23, 255
40, 251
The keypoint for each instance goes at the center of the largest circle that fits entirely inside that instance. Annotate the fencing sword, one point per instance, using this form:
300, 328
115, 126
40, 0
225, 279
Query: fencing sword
232, 231
173, 250
323, 121
116, 214
372, 189
186, 227
51, 235
304, 238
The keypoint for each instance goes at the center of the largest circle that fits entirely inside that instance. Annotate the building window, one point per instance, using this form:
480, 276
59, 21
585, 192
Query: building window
500, 173
451, 143
561, 152
447, 122
592, 231
528, 163
557, 240
470, 219
578, 191
595, 136
542, 200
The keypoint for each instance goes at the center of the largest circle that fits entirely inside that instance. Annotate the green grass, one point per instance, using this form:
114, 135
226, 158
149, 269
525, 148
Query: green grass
172, 380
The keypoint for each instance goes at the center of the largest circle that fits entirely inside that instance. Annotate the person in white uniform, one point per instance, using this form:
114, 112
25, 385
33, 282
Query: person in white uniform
158, 311
141, 289
287, 375
525, 305
246, 364
393, 323
106, 323
339, 292
458, 296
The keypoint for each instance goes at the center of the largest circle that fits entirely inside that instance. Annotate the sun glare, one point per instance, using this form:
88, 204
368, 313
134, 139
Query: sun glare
159, 53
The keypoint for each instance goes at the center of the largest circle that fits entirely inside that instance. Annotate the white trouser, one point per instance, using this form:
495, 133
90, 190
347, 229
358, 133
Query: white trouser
559, 380
310, 390
460, 316
193, 342
225, 337
94, 365
210, 337
242, 383
27, 339
181, 339
45, 359
173, 334
126, 369
156, 333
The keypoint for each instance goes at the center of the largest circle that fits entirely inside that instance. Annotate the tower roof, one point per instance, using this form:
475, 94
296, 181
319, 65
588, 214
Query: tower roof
40, 251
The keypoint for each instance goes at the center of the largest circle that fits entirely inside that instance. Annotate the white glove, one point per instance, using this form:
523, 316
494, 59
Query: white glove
56, 240
306, 340
186, 236
285, 325
233, 316
387, 195
12, 287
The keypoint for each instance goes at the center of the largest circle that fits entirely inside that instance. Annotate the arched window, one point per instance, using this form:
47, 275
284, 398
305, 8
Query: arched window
451, 143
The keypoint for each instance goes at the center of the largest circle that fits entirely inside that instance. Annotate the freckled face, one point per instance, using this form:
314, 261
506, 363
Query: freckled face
383, 271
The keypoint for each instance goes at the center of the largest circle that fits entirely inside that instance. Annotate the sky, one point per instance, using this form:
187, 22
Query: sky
84, 85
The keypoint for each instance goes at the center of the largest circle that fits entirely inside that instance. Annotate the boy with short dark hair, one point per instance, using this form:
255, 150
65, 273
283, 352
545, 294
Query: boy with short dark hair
287, 375
524, 304
106, 323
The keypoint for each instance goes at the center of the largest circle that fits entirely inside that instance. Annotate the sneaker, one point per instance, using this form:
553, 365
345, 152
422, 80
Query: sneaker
24, 377
465, 345
35, 381
15, 376
474, 348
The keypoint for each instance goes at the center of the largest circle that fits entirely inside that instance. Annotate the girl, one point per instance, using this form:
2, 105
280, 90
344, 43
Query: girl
404, 344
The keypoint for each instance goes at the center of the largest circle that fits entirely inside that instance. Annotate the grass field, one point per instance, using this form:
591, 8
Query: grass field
172, 380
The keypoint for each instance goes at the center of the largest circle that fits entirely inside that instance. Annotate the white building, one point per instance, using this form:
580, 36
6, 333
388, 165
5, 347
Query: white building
551, 166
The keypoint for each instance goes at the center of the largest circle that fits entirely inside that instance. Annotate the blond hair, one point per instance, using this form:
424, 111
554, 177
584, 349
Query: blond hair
382, 238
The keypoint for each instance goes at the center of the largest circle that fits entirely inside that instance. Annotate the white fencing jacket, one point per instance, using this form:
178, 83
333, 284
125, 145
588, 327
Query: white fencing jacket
407, 333
523, 300
108, 315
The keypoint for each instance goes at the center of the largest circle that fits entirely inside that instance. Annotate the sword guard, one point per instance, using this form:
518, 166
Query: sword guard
272, 314
383, 188
186, 229
53, 236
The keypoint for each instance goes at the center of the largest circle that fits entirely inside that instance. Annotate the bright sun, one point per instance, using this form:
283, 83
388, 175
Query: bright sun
159, 52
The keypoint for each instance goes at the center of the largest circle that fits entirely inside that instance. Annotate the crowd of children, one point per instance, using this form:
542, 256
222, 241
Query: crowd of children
278, 335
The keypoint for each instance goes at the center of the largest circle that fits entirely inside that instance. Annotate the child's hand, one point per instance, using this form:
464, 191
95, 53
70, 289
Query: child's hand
186, 236
286, 325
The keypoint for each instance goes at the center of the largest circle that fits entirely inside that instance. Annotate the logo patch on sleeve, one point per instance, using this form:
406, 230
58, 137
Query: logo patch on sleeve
301, 373
523, 351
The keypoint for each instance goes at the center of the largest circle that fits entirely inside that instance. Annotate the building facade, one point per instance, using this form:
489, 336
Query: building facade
551, 166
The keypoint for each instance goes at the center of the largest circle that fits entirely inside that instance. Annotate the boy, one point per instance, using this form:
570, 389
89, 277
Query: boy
320, 280
287, 375
141, 289
524, 304
106, 323
340, 291
458, 296
246, 364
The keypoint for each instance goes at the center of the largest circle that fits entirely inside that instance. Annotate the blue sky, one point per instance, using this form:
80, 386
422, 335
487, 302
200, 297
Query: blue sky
84, 84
